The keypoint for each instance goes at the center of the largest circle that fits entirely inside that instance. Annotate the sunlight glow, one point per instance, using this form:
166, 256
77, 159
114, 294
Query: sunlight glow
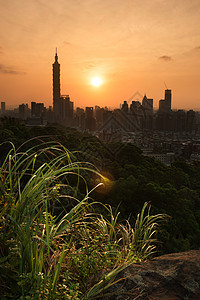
96, 81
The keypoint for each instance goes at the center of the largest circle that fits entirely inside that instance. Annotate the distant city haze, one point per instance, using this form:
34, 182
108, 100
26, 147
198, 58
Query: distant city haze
108, 50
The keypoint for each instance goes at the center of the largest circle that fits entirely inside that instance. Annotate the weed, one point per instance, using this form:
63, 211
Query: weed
50, 256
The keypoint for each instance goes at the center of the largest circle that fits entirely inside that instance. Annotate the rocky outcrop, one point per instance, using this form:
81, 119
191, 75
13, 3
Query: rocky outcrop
168, 277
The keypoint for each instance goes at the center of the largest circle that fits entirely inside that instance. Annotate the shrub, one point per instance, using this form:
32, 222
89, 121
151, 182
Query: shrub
45, 255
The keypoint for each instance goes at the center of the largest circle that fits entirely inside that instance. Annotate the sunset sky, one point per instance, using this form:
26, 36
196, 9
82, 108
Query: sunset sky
131, 45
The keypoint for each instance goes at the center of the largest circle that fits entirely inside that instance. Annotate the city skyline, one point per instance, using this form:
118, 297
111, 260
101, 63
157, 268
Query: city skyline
131, 46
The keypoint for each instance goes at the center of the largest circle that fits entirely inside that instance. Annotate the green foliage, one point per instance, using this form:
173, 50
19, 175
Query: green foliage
50, 256
135, 179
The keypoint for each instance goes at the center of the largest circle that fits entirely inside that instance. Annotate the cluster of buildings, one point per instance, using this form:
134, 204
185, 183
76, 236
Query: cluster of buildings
128, 123
164, 119
137, 116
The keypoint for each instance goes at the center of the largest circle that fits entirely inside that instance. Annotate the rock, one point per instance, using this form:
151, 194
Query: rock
168, 277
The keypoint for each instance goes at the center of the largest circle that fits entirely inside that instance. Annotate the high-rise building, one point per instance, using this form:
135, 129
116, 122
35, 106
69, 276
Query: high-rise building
62, 106
23, 111
125, 107
79, 119
65, 110
165, 105
90, 123
37, 109
147, 105
135, 107
168, 99
56, 86
191, 121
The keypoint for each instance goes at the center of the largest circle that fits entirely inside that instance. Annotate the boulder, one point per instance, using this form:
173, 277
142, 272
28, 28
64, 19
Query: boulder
168, 277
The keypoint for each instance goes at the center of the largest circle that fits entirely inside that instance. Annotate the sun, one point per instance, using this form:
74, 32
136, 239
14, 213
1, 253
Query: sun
96, 81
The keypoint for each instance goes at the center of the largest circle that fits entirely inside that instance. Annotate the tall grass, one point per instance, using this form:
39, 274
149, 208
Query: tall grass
45, 255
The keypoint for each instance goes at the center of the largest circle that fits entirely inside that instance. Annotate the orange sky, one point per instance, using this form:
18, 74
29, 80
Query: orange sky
133, 45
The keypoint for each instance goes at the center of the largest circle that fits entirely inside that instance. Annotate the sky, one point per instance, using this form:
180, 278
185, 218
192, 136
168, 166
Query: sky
135, 47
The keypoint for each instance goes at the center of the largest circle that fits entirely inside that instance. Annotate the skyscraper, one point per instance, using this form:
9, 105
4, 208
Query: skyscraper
125, 107
62, 106
165, 105
168, 99
147, 105
56, 86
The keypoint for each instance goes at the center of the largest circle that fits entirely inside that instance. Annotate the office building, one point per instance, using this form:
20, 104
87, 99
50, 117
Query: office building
56, 86
37, 109
90, 122
62, 106
125, 107
147, 105
165, 104
23, 111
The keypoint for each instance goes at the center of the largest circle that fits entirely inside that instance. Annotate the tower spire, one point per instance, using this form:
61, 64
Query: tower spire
56, 56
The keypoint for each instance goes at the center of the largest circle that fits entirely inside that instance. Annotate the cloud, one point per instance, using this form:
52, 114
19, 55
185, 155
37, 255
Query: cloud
9, 70
90, 66
165, 58
67, 43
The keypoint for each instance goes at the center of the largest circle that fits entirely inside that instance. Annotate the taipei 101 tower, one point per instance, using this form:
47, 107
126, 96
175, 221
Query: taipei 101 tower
62, 106
56, 85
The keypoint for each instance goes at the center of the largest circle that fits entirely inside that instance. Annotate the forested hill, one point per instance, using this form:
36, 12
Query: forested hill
134, 179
